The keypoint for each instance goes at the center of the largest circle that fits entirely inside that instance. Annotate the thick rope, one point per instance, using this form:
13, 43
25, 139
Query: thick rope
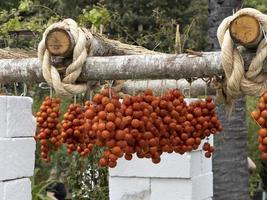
67, 86
252, 82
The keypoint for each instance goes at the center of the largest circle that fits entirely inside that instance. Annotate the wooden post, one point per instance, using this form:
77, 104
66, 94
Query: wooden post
178, 45
246, 30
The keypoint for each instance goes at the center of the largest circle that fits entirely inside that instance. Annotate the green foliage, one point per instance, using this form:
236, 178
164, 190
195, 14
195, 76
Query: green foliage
28, 15
81, 174
147, 23
9, 4
261, 5
96, 16
94, 184
25, 5
153, 23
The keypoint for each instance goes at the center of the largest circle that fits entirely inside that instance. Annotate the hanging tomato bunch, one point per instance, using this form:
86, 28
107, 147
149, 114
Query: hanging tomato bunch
150, 125
74, 131
49, 127
145, 125
260, 116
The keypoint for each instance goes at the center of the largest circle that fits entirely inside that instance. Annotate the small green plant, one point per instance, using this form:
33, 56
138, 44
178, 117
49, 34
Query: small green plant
25, 5
39, 189
94, 184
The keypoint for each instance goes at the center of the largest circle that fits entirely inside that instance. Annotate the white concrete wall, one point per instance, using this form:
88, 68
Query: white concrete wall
176, 177
17, 147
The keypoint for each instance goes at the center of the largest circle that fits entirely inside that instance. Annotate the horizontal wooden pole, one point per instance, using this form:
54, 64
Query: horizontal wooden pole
195, 89
162, 66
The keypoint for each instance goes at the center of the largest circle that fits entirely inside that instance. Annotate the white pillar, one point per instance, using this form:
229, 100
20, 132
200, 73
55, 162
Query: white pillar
17, 147
176, 177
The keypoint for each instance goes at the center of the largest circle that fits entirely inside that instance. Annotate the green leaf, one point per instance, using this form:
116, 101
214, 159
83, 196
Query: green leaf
42, 197
25, 5
96, 16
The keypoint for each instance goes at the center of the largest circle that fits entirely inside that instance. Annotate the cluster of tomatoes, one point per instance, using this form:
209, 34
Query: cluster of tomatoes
49, 127
145, 125
74, 128
260, 116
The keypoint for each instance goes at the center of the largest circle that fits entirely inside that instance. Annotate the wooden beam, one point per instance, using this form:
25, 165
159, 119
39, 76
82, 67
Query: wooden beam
195, 89
97, 44
162, 66
121, 67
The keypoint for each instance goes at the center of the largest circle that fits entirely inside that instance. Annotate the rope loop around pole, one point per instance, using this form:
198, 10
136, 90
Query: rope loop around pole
66, 86
252, 82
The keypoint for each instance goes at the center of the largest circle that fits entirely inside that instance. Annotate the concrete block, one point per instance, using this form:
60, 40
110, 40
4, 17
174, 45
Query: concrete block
202, 186
3, 116
19, 189
16, 119
170, 189
20, 121
1, 190
121, 188
196, 164
17, 156
197, 188
206, 164
171, 166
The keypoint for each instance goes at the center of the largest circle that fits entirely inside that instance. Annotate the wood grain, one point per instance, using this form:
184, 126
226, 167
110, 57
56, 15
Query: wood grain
246, 31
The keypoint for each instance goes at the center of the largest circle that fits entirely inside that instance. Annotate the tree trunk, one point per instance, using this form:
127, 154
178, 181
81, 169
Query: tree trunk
218, 10
230, 165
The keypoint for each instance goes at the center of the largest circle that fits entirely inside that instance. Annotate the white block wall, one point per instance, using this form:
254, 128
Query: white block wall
176, 177
18, 189
17, 147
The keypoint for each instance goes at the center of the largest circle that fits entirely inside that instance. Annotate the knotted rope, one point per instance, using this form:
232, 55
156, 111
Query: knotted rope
67, 86
252, 82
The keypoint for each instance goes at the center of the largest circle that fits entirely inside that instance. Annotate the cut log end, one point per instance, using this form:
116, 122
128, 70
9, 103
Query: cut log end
246, 31
59, 42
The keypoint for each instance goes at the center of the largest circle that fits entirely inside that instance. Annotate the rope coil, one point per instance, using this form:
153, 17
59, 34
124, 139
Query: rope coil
252, 82
66, 86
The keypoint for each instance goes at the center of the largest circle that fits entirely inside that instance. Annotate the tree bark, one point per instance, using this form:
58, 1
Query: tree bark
218, 10
102, 46
163, 66
230, 167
